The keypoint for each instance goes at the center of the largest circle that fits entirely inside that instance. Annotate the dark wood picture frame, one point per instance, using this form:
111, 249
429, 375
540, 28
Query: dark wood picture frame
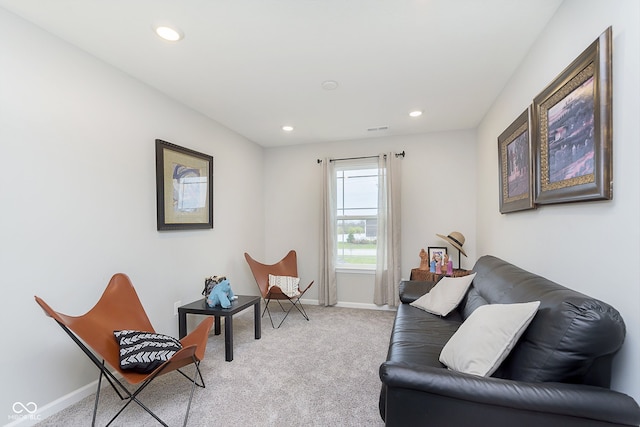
516, 165
573, 130
184, 188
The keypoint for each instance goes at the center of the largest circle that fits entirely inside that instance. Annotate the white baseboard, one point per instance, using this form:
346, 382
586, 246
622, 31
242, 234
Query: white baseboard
366, 306
54, 407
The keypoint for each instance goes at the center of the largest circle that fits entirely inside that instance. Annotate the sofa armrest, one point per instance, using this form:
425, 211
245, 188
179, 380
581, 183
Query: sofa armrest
563, 400
411, 290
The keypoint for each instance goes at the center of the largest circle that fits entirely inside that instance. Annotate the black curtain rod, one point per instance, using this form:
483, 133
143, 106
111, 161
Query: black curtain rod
358, 158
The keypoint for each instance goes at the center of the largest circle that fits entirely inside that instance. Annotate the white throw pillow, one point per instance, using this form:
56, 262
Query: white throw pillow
287, 284
487, 337
445, 295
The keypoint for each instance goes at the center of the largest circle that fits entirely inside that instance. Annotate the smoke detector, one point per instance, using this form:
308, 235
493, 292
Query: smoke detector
329, 85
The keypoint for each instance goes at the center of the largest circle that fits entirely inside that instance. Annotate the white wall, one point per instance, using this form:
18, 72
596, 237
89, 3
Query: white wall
438, 196
78, 204
593, 247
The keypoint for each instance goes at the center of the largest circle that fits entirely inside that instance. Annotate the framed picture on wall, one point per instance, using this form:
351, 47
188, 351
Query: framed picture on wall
573, 133
184, 188
516, 166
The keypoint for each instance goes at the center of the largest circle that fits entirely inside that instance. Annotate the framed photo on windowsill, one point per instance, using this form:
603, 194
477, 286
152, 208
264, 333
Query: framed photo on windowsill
184, 188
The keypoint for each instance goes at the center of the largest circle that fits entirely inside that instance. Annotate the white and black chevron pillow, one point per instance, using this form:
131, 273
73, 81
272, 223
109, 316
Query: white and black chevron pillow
145, 351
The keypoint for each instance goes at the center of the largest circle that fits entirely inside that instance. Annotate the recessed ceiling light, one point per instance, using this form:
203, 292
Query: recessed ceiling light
287, 128
169, 33
416, 113
329, 85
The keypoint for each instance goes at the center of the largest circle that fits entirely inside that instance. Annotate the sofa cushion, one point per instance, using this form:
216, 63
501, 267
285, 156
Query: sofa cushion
572, 338
471, 301
418, 337
485, 339
411, 290
445, 295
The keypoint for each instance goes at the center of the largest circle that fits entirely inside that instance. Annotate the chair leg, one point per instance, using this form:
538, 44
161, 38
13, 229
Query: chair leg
134, 398
294, 303
266, 309
300, 307
202, 384
196, 372
121, 390
286, 313
95, 404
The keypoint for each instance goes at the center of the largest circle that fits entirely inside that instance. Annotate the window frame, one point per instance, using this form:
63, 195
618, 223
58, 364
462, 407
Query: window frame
370, 164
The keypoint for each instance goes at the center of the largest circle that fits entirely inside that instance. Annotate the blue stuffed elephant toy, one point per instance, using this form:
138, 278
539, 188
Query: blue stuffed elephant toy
221, 295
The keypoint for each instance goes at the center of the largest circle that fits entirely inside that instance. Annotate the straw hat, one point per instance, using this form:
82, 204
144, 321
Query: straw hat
456, 239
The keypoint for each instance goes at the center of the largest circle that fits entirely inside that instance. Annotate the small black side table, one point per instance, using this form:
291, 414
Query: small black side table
200, 307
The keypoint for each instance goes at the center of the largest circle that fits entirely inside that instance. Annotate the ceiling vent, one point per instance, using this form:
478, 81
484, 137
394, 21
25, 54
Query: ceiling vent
376, 129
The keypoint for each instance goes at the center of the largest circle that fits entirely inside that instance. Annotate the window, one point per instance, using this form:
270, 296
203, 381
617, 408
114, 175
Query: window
357, 214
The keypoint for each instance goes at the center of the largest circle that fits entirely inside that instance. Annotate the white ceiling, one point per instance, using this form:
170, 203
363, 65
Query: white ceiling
255, 65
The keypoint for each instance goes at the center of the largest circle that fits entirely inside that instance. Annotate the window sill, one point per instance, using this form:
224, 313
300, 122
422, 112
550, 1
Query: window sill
355, 270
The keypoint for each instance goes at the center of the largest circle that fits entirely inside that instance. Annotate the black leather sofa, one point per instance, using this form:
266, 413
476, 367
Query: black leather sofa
558, 374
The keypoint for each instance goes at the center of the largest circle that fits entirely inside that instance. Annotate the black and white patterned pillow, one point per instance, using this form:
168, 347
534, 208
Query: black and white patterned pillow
145, 351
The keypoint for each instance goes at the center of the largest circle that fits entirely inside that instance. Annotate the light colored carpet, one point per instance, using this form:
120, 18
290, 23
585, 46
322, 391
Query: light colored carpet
323, 372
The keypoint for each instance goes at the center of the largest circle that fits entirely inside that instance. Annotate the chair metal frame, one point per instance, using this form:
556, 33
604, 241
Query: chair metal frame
119, 308
287, 266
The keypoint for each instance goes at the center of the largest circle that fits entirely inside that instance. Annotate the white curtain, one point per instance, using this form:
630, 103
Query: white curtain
328, 293
388, 256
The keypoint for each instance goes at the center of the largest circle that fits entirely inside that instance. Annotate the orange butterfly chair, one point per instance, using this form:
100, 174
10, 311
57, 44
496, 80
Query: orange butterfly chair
287, 266
119, 308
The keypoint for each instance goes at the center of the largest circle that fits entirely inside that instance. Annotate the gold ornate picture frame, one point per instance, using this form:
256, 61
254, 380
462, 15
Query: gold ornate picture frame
573, 130
516, 165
